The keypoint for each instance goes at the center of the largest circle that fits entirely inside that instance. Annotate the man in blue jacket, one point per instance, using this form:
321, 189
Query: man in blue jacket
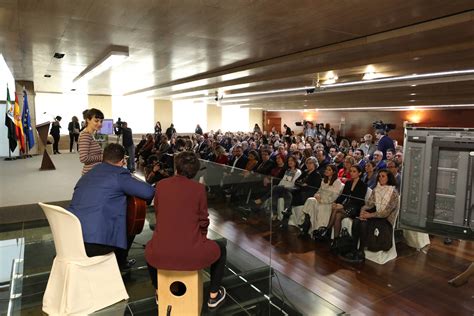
100, 203
385, 142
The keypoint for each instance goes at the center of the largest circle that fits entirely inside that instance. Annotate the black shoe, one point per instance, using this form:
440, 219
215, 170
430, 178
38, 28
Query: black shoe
326, 234
356, 256
306, 225
333, 247
127, 265
214, 302
286, 213
284, 223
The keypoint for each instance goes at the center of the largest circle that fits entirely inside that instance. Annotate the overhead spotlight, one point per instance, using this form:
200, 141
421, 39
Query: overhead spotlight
331, 78
370, 73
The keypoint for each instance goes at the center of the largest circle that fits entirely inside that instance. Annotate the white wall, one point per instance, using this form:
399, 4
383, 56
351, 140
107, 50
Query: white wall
138, 112
187, 114
66, 105
235, 119
6, 77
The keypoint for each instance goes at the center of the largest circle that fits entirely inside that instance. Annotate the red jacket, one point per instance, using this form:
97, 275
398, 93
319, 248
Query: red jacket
179, 241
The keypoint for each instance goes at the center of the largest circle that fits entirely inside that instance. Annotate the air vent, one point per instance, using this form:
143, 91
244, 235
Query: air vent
58, 55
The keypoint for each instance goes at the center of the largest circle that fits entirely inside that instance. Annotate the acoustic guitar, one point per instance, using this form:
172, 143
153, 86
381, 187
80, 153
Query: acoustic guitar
136, 213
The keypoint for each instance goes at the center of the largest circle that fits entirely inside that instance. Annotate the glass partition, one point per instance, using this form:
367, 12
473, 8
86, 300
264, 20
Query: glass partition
247, 228
243, 210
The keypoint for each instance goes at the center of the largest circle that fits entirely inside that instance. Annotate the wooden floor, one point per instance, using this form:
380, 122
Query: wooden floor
413, 284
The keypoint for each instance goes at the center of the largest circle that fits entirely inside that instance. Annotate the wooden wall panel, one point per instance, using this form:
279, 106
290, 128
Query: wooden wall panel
356, 124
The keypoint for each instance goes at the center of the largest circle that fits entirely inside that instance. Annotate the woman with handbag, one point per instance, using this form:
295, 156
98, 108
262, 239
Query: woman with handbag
378, 214
348, 204
317, 209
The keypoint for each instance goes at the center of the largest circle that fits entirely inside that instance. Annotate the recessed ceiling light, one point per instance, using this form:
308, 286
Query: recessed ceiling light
412, 93
412, 100
47, 76
58, 55
416, 58
331, 78
413, 85
305, 105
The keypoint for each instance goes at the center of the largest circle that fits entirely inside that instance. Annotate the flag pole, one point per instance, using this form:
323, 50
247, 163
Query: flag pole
9, 158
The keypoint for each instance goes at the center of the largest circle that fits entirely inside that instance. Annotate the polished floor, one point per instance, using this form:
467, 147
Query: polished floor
299, 276
253, 287
415, 283
23, 183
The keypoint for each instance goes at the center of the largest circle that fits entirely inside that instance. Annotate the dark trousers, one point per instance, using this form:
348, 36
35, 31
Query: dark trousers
93, 250
56, 143
217, 270
278, 192
73, 138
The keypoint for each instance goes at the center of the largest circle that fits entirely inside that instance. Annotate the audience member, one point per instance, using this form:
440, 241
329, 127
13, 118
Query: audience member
379, 214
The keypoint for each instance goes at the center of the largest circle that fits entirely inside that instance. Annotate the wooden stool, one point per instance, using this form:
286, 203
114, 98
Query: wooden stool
182, 290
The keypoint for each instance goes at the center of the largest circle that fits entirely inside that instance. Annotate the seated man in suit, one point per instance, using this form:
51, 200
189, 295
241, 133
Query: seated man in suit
100, 203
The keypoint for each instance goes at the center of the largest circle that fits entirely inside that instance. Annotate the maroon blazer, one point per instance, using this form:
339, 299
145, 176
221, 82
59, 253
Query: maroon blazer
179, 241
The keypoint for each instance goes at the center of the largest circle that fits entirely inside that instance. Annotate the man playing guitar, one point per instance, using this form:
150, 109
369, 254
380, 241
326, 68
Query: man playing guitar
100, 203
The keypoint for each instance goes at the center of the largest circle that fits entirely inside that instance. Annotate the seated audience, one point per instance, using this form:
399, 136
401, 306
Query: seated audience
253, 160
266, 166
378, 214
344, 174
348, 204
308, 183
392, 166
317, 209
368, 147
379, 162
370, 175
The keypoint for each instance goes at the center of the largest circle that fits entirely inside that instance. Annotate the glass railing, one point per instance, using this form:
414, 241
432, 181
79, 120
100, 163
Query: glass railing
241, 211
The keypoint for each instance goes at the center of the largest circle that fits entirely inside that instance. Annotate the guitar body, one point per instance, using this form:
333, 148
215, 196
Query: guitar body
136, 213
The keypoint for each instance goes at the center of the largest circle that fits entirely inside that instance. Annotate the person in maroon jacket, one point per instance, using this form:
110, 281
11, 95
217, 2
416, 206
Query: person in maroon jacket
179, 241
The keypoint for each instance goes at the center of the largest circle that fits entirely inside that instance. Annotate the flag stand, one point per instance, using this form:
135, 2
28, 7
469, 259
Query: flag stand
10, 158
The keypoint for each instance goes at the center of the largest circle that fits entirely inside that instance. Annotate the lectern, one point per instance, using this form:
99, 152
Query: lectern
43, 129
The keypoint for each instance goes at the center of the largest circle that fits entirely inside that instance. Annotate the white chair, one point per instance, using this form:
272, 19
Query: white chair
78, 285
415, 239
382, 257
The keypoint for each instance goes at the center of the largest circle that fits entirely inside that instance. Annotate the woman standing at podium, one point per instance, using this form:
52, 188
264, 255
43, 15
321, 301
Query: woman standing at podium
55, 127
90, 152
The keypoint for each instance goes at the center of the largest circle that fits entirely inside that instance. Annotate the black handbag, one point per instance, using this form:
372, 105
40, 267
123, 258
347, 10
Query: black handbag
350, 209
344, 244
380, 235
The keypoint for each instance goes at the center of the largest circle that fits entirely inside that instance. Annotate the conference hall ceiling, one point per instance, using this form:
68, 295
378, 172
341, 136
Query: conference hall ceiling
257, 54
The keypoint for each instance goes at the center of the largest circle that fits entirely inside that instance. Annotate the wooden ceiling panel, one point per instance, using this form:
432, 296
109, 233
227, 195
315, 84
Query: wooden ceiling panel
179, 46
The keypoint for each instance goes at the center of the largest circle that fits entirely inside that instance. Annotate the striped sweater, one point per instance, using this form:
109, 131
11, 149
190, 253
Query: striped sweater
90, 152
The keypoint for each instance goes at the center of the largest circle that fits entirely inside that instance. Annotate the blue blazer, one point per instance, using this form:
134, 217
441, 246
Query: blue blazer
100, 203
384, 144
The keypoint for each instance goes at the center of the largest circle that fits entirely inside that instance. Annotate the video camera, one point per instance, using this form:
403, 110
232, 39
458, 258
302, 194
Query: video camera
380, 125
